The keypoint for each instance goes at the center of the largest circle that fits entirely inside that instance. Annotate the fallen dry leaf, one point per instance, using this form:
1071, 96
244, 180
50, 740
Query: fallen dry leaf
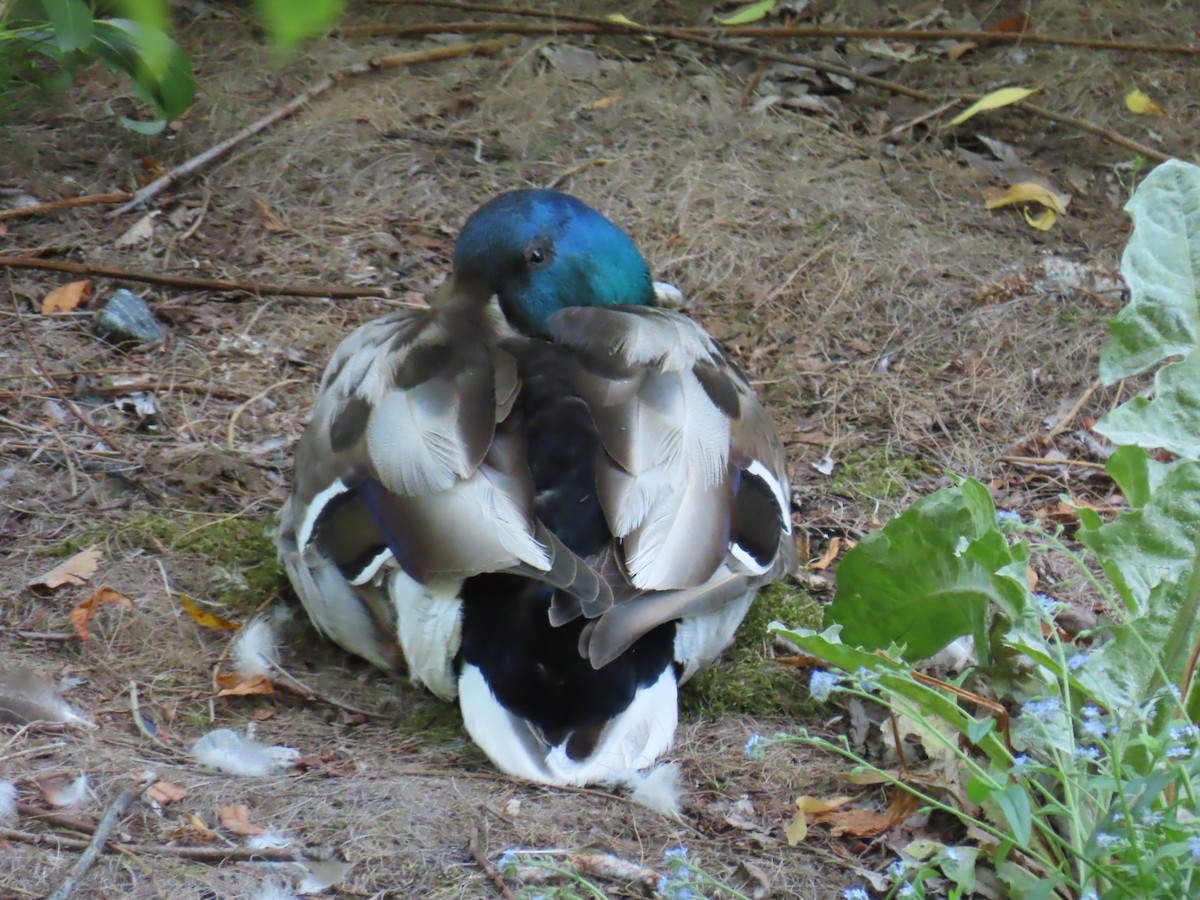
994, 100
797, 829
76, 570
235, 685
604, 102
235, 818
163, 792
268, 218
958, 50
139, 232
1011, 25
868, 822
1140, 103
1026, 192
85, 611
205, 618
195, 830
67, 297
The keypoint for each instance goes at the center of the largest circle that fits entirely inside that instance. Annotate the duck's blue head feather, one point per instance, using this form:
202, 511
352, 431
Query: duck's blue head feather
541, 250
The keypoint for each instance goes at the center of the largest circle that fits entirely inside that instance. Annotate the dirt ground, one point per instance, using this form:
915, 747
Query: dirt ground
897, 329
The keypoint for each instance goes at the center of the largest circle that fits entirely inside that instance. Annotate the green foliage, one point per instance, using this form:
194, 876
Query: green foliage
70, 34
1100, 798
744, 681
878, 475
289, 22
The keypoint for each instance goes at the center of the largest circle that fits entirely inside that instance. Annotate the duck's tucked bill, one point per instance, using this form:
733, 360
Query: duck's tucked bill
544, 496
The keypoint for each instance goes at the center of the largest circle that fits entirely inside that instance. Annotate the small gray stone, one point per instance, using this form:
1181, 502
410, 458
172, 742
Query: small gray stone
126, 319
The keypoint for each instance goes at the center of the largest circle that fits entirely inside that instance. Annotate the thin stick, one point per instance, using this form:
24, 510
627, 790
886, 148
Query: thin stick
91, 426
69, 203
298, 686
575, 170
218, 285
231, 429
198, 854
303, 99
135, 707
802, 31
592, 26
1071, 413
92, 851
48, 635
490, 870
1044, 461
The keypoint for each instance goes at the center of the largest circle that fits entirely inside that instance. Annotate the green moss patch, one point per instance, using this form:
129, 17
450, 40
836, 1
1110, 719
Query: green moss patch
745, 680
880, 474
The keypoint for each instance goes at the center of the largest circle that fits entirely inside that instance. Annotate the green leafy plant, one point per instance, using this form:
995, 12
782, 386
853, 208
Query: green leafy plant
1093, 791
69, 34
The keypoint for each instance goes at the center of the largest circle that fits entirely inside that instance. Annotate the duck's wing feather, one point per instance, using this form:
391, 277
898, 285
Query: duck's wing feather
692, 476
404, 456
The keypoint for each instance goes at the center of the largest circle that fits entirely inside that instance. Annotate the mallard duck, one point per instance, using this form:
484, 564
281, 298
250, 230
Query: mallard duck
545, 495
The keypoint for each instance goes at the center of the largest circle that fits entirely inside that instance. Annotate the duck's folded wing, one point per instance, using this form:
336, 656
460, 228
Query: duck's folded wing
692, 477
403, 458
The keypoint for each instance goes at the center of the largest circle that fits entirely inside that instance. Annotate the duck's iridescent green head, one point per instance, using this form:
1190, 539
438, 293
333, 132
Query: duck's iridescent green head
540, 251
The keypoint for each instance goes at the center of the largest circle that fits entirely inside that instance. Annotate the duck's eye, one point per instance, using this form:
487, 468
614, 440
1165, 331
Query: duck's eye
536, 257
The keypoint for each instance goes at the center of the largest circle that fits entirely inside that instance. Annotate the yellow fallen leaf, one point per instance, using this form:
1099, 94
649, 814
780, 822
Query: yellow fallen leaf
1026, 192
604, 102
797, 829
1139, 103
205, 618
747, 14
67, 297
994, 100
76, 570
85, 611
234, 685
622, 20
1042, 221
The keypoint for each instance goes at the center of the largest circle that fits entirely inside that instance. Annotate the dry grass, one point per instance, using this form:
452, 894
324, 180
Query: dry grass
848, 276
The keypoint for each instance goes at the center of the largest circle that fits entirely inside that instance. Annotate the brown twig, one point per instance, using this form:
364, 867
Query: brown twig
803, 31
489, 869
298, 687
69, 203
218, 285
197, 854
319, 87
91, 426
586, 25
1045, 461
48, 635
1069, 416
56, 817
95, 846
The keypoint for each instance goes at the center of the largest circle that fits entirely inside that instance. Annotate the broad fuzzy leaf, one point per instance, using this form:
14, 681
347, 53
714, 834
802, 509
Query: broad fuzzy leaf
160, 72
72, 22
928, 576
1161, 265
1151, 555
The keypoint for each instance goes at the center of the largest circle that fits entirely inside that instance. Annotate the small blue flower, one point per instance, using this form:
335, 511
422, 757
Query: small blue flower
1091, 711
1194, 848
1007, 520
1175, 692
1151, 818
821, 684
507, 863
1044, 710
866, 679
1091, 754
951, 853
1104, 840
1048, 606
1076, 661
1184, 732
855, 893
907, 891
1020, 762
754, 748
676, 856
1088, 895
897, 870
1095, 728
1179, 752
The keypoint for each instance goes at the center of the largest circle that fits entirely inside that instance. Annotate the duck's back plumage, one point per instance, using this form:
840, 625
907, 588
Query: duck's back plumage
558, 528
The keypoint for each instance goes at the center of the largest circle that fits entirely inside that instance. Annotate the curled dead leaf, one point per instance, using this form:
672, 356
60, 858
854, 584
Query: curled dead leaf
868, 822
1137, 102
164, 792
76, 570
67, 297
235, 818
994, 100
797, 829
204, 618
85, 611
234, 685
268, 217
